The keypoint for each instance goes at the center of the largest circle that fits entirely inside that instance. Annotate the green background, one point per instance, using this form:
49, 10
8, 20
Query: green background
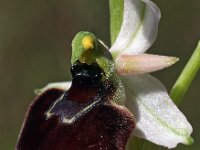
35, 49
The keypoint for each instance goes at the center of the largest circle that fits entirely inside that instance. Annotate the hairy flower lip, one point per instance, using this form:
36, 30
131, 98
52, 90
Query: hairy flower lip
38, 133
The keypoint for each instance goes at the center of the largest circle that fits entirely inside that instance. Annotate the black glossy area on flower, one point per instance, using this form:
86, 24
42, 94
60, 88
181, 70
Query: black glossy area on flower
87, 91
87, 74
87, 82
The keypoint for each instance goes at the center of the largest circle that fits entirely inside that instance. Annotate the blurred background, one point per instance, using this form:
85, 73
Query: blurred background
35, 49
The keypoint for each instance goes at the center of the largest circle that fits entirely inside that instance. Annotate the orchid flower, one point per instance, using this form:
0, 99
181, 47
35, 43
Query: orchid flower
157, 117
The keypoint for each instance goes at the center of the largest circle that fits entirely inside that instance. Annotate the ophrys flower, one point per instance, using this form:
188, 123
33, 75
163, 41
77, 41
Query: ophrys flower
157, 117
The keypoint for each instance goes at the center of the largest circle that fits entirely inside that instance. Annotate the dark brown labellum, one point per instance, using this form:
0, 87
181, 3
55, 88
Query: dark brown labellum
83, 118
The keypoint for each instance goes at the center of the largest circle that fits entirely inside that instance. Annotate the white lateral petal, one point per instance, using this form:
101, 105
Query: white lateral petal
157, 117
139, 27
57, 85
142, 63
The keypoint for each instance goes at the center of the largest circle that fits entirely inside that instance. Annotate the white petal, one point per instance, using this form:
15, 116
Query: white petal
157, 117
142, 63
139, 27
57, 85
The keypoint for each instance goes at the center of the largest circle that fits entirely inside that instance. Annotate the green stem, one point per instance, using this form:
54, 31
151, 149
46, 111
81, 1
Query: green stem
186, 77
116, 17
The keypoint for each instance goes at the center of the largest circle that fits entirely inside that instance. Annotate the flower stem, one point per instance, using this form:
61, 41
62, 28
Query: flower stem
186, 77
116, 17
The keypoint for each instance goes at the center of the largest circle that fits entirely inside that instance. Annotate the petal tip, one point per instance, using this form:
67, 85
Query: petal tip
37, 91
171, 60
174, 60
189, 141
